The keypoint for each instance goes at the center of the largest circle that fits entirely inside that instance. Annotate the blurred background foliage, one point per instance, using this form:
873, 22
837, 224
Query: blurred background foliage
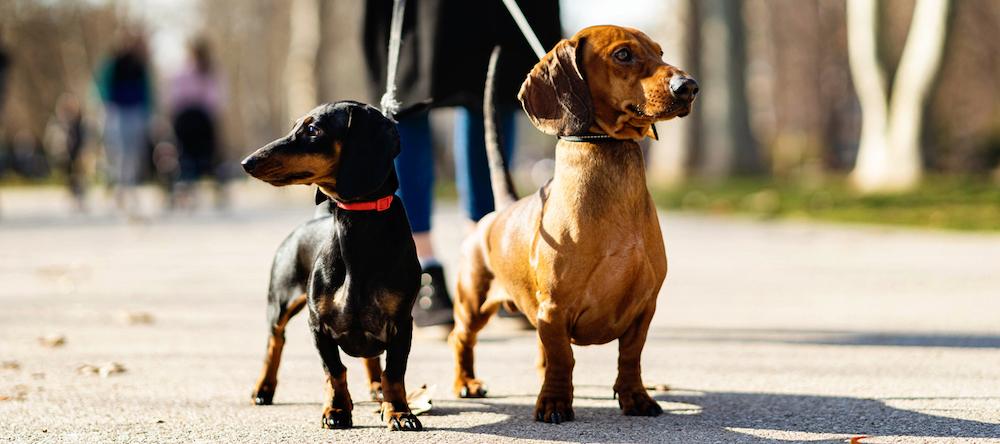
779, 137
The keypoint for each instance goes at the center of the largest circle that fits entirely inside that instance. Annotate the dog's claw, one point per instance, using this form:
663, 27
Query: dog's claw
479, 391
638, 404
262, 398
654, 410
554, 410
335, 420
405, 422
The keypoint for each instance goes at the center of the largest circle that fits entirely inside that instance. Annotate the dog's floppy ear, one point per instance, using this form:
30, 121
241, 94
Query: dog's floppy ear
555, 94
370, 143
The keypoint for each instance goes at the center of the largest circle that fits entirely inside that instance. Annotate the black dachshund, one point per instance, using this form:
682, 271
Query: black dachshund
354, 266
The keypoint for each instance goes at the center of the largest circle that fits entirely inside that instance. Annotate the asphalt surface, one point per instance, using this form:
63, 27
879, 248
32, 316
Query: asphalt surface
765, 332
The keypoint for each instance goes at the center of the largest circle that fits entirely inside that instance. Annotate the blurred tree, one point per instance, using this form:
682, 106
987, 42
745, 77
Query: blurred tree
341, 67
889, 156
303, 48
802, 107
728, 145
669, 156
250, 38
963, 131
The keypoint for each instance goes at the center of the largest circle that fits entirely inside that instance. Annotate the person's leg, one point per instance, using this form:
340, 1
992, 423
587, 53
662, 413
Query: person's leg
134, 132
114, 147
74, 175
415, 169
472, 172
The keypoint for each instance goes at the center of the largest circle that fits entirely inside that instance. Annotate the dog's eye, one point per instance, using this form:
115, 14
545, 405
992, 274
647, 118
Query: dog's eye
623, 55
313, 131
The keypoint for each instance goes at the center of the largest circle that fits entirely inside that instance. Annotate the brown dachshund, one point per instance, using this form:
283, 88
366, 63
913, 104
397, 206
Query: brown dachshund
583, 258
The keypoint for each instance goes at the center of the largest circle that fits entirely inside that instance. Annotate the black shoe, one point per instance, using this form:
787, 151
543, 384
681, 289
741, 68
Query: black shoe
433, 306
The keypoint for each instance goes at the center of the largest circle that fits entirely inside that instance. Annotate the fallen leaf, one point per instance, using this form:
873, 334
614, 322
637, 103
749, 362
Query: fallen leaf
87, 369
420, 399
658, 388
135, 318
53, 340
20, 394
108, 369
111, 368
10, 365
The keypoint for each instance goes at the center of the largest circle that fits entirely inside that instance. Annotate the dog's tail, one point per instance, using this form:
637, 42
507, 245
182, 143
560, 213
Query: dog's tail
503, 187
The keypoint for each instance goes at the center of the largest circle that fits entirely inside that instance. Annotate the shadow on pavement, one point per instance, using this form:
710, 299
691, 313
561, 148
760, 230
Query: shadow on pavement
830, 337
713, 416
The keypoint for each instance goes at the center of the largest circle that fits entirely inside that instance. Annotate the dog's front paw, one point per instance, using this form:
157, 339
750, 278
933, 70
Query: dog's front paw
400, 421
470, 388
553, 409
638, 403
336, 418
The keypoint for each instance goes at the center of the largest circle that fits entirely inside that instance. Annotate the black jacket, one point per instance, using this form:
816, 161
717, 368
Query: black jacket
446, 46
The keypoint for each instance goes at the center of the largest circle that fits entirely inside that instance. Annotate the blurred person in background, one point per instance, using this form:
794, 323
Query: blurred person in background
124, 83
446, 46
195, 97
64, 139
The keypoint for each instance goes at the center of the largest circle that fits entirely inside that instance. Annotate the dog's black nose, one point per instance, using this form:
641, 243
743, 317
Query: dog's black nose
249, 163
684, 88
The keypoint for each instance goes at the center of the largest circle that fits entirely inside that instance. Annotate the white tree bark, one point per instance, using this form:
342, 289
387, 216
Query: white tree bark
303, 48
889, 157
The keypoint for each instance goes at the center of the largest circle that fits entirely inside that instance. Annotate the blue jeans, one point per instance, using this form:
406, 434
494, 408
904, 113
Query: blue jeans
125, 144
415, 164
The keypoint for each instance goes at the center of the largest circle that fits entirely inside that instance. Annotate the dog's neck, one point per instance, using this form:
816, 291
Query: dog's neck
387, 188
600, 176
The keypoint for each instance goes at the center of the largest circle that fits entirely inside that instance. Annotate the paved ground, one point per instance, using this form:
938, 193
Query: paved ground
765, 332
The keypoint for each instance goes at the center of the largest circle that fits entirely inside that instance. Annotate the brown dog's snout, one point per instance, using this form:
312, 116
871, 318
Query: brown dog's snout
683, 88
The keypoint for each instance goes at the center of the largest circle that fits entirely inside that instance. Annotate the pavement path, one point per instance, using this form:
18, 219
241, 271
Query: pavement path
765, 332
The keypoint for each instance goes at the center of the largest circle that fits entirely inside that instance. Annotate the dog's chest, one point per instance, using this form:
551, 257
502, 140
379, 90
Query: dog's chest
607, 270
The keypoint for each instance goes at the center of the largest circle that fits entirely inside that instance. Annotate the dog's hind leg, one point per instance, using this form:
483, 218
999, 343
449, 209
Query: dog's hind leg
279, 311
632, 396
374, 369
472, 312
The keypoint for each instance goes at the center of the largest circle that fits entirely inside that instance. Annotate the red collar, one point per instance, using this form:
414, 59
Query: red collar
377, 205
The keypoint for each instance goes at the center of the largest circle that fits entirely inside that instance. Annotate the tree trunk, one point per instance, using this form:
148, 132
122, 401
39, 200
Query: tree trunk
668, 156
303, 48
728, 144
889, 157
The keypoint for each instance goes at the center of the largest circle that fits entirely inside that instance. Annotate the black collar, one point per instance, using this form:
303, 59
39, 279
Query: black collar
585, 137
588, 137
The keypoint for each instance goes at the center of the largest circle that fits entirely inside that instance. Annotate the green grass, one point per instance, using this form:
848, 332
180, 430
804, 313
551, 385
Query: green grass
941, 202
